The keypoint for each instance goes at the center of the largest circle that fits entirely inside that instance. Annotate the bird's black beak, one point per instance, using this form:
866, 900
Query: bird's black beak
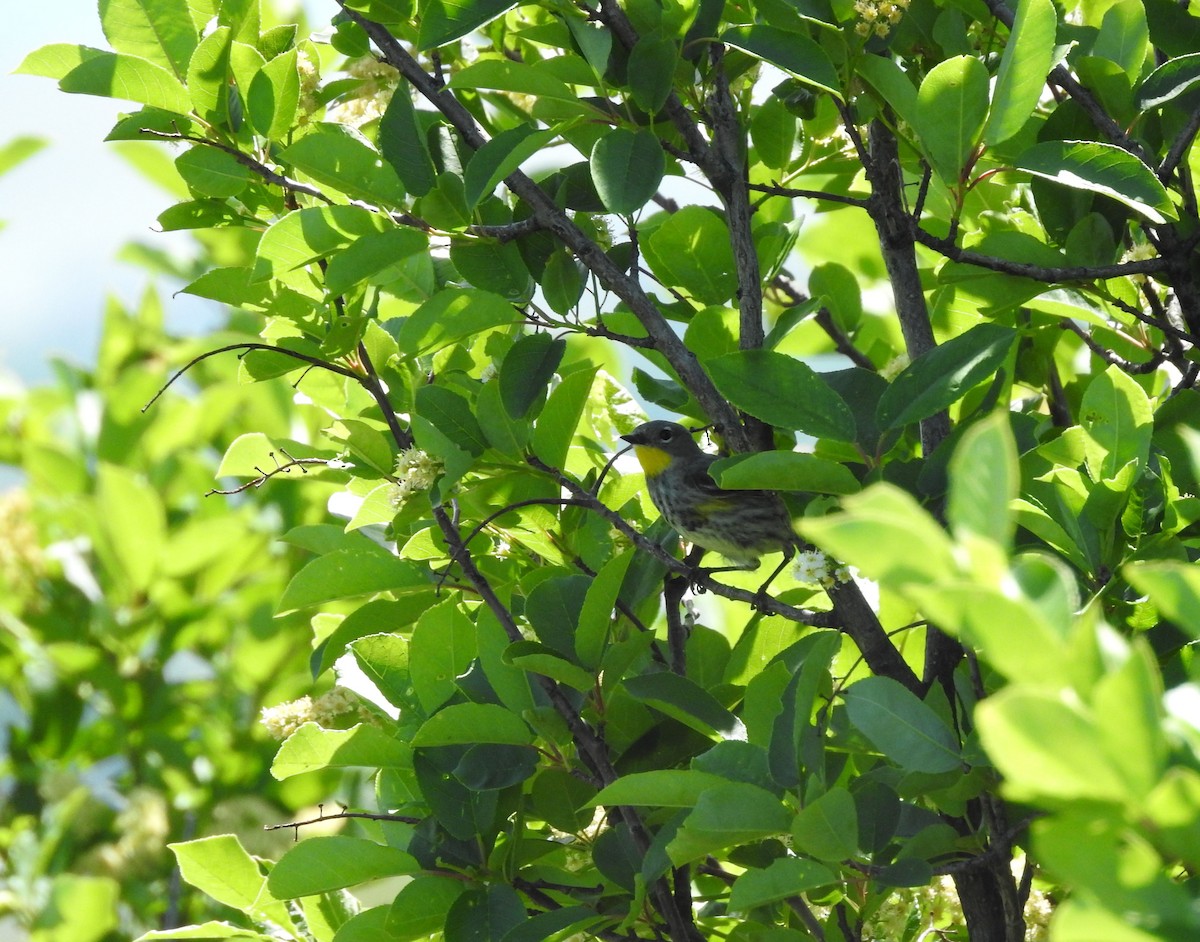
633, 438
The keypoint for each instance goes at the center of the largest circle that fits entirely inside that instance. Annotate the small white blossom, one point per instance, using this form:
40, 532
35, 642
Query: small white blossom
283, 720
415, 471
812, 567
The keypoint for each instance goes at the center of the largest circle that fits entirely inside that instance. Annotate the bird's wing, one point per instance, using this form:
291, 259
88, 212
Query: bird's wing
698, 477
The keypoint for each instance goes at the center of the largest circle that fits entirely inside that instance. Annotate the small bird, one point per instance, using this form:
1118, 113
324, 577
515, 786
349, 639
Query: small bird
740, 525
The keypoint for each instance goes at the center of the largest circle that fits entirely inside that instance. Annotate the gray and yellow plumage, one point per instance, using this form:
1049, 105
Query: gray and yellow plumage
740, 525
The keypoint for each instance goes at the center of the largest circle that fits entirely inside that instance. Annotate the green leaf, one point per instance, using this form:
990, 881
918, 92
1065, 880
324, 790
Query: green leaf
552, 923
403, 145
220, 868
374, 259
893, 84
784, 471
1047, 747
726, 816
943, 375
445, 20
795, 53
211, 172
553, 608
462, 724
207, 930
753, 379
158, 30
1124, 37
627, 167
485, 915
496, 266
562, 282
526, 371
783, 878
339, 157
57, 59
827, 828
1118, 421
952, 105
984, 479
1173, 587
665, 788
441, 648
562, 800
683, 699
1101, 168
1127, 701
1170, 80
773, 129
541, 659
1026, 62
691, 250
383, 657
346, 573
304, 236
651, 70
208, 76
519, 77
117, 75
451, 414
555, 429
902, 727
274, 96
312, 748
123, 496
596, 615
419, 909
320, 864
449, 317
499, 157
876, 533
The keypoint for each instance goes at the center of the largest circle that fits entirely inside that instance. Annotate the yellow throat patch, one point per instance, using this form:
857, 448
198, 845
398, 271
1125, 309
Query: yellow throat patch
654, 461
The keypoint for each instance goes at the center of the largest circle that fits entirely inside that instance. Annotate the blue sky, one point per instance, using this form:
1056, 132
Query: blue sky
69, 209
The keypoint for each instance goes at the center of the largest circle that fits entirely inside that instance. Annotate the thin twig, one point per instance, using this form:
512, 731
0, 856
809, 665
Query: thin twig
295, 355
264, 476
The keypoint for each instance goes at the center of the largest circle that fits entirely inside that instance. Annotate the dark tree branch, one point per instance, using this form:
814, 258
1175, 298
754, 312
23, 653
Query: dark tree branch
789, 192
824, 320
729, 150
552, 218
1049, 274
886, 208
592, 748
1111, 358
501, 233
698, 148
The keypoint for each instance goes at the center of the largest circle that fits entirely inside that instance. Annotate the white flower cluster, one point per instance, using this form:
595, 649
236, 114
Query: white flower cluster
379, 81
21, 561
878, 16
936, 910
415, 472
283, 720
310, 81
812, 567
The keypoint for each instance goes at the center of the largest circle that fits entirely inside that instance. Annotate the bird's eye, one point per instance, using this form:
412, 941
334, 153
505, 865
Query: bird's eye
665, 435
